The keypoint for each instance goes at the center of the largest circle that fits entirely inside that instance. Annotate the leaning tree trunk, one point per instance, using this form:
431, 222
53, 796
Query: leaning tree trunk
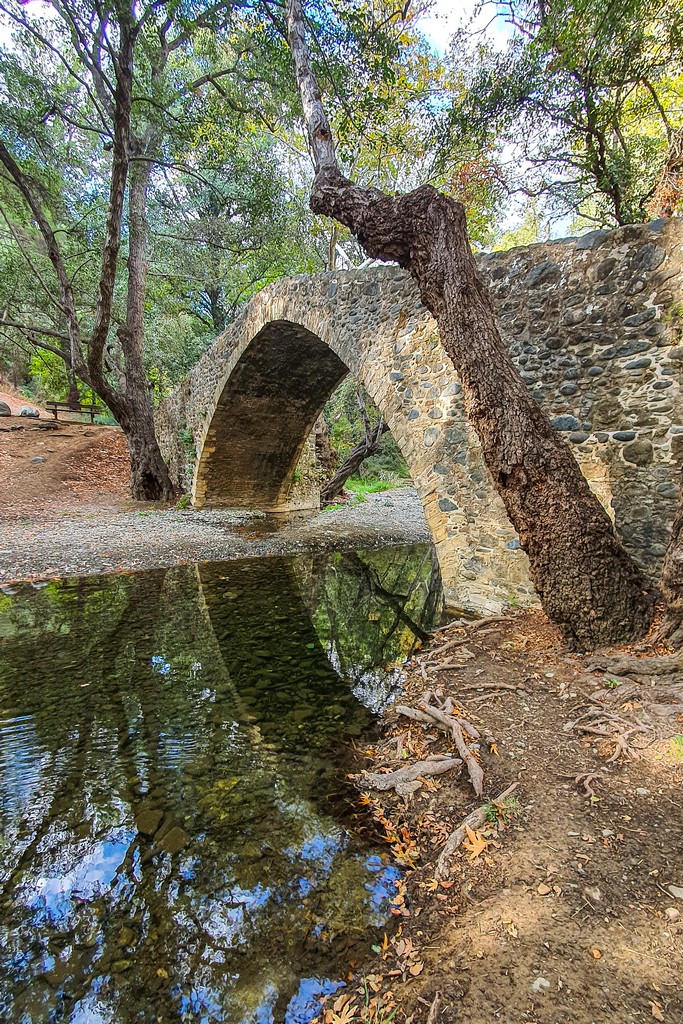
132, 406
370, 445
584, 578
149, 477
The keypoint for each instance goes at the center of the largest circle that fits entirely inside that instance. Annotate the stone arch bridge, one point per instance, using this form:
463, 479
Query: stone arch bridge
594, 325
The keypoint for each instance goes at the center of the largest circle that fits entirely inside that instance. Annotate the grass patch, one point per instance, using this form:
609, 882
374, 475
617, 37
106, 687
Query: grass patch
357, 485
677, 747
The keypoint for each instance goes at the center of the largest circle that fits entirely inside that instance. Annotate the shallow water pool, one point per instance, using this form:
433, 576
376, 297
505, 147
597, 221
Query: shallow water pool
173, 838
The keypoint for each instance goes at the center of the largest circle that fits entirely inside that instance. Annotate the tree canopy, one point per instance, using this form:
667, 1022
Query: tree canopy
583, 108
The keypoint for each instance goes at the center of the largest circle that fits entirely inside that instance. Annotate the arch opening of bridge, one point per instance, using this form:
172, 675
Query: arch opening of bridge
262, 420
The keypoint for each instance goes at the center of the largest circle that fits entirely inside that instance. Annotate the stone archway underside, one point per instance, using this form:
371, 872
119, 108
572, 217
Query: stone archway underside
263, 418
593, 324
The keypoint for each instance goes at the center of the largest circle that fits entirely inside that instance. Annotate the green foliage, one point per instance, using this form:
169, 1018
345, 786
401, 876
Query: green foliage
346, 428
186, 438
582, 107
218, 118
360, 486
502, 812
532, 228
677, 747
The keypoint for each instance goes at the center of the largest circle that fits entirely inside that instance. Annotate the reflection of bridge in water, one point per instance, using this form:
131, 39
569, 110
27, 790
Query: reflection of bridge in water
204, 697
590, 323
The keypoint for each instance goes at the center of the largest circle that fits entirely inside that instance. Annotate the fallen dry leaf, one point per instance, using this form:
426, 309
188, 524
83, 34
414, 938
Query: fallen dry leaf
657, 1011
475, 844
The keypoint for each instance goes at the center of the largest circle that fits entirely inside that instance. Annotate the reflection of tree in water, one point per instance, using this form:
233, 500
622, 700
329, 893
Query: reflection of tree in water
370, 610
211, 702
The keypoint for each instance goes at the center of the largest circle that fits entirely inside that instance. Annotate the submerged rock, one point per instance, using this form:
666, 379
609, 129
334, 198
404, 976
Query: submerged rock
147, 822
174, 841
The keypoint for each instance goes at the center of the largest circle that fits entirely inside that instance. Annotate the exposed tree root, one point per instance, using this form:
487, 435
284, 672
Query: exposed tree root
448, 666
448, 720
434, 1009
625, 708
475, 819
407, 780
493, 686
584, 779
440, 648
629, 665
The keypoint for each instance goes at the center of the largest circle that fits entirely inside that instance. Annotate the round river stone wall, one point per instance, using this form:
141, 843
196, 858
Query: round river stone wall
594, 325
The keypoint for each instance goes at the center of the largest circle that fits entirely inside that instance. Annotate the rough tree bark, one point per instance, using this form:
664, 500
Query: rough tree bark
584, 578
149, 475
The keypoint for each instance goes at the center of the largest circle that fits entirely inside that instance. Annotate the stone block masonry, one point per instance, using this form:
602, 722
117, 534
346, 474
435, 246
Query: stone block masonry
594, 325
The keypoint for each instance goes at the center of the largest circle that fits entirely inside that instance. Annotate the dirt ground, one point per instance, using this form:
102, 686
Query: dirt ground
563, 913
82, 465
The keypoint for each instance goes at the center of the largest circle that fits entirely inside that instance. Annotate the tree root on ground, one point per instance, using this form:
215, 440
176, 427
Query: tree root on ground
583, 779
471, 624
451, 645
434, 1010
447, 719
493, 686
474, 820
407, 780
625, 707
630, 665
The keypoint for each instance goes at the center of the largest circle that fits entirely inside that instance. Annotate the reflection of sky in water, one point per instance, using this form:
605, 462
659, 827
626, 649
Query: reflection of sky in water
306, 1003
382, 888
91, 873
302, 1007
373, 687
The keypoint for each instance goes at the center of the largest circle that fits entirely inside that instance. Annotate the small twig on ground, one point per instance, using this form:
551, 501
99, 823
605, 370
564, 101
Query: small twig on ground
473, 820
434, 1010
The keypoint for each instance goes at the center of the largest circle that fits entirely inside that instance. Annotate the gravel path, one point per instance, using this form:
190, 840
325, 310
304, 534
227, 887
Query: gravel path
98, 540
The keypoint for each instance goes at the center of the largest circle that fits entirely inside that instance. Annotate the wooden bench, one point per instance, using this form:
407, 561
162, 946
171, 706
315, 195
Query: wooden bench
56, 407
